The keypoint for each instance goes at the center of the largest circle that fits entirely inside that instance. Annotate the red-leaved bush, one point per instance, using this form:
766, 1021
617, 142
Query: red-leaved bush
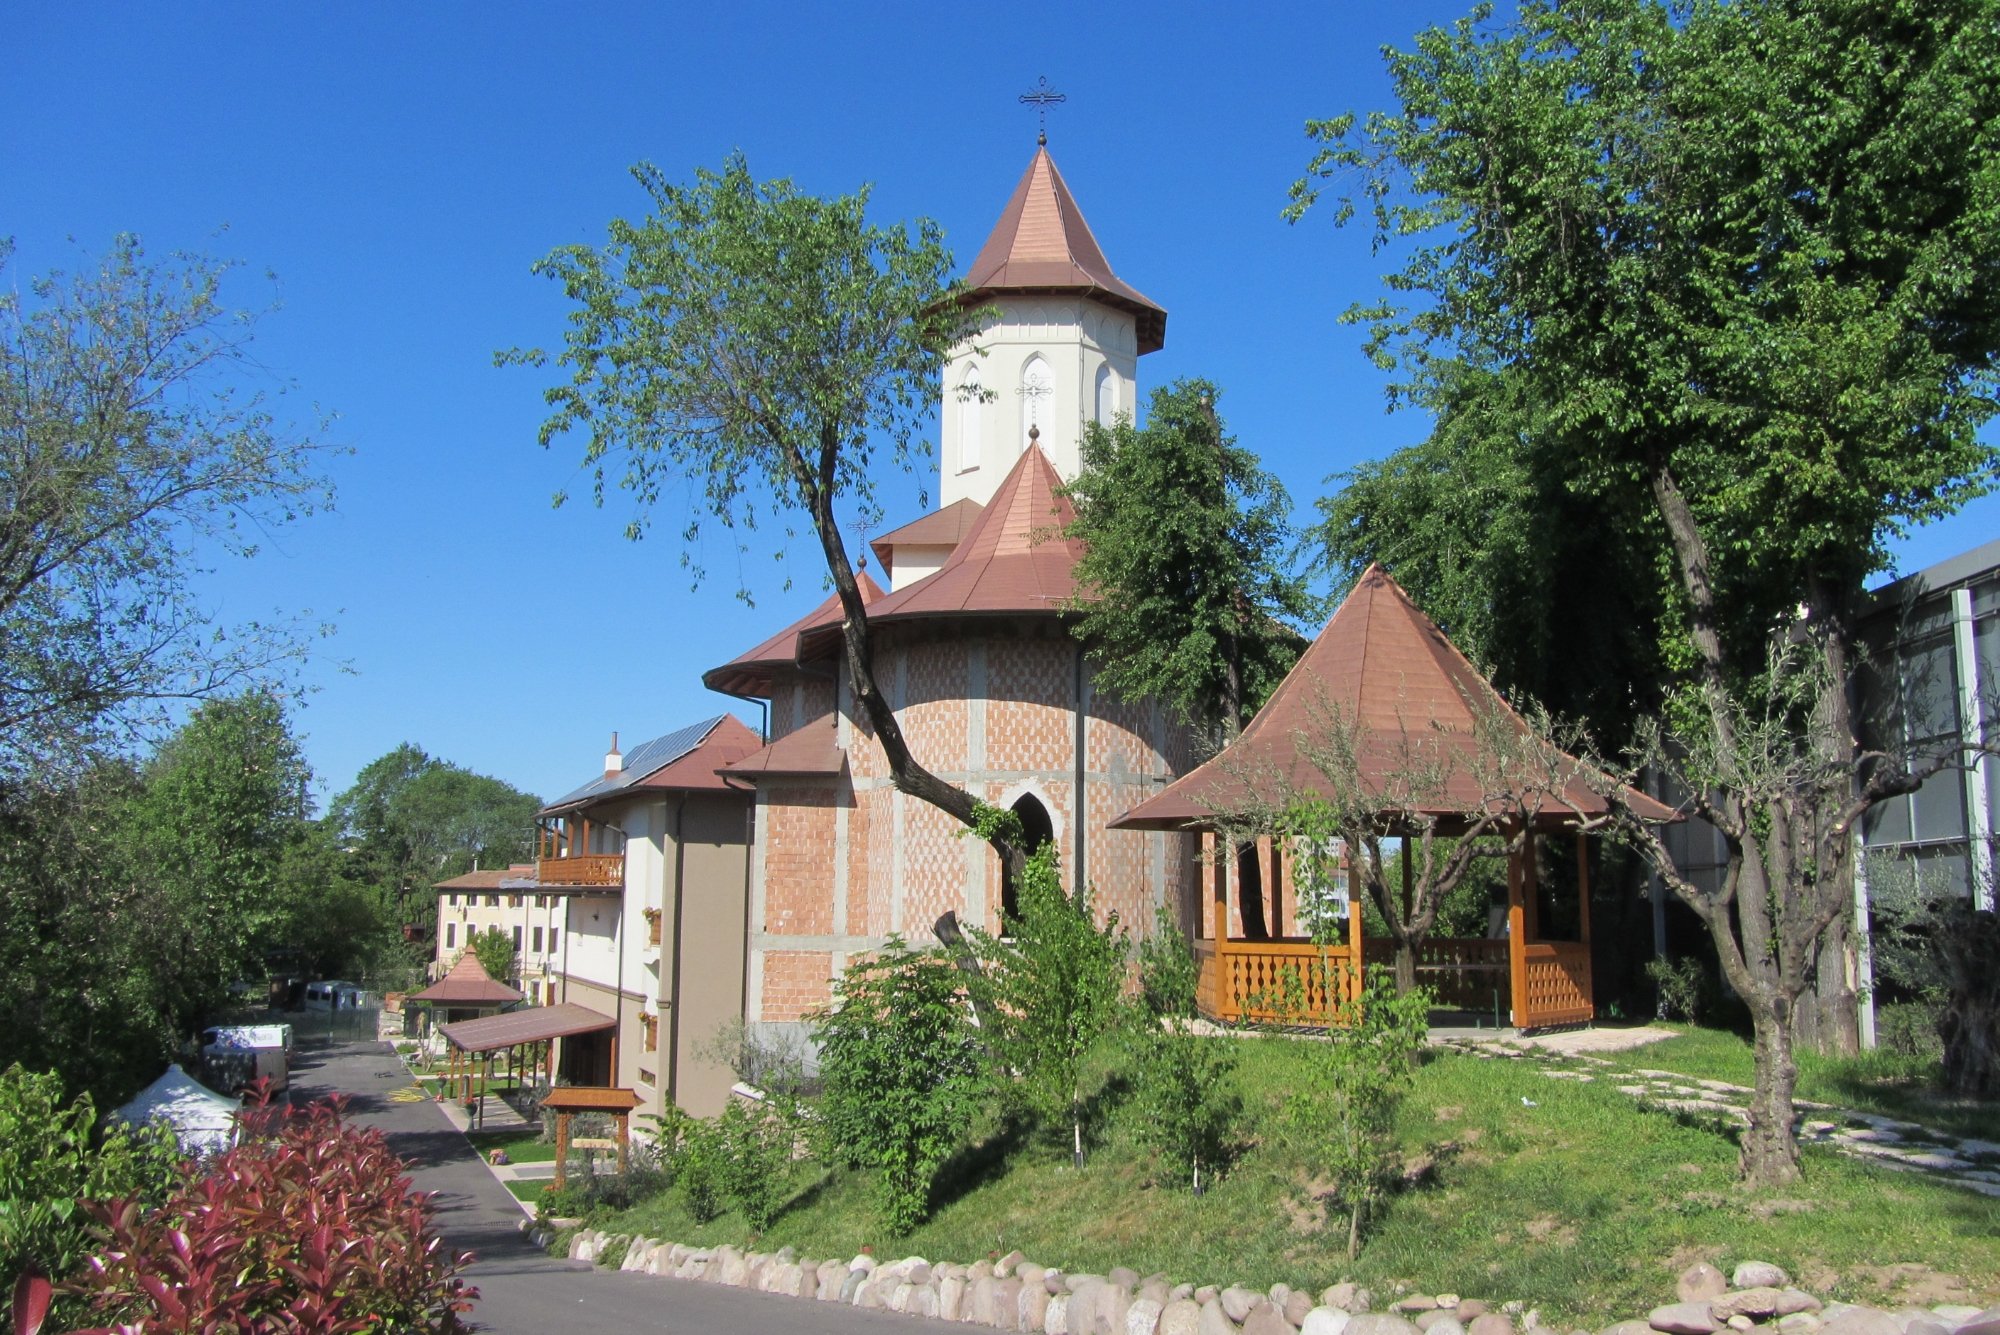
309, 1227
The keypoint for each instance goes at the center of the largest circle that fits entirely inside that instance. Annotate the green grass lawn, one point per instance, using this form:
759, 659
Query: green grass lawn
521, 1146
1583, 1205
1885, 1083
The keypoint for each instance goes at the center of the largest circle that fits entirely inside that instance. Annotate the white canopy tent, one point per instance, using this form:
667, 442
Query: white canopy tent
203, 1121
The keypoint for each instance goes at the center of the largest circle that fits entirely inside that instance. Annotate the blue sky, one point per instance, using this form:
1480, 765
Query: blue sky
399, 167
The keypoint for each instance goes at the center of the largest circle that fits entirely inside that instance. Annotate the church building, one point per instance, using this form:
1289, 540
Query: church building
973, 650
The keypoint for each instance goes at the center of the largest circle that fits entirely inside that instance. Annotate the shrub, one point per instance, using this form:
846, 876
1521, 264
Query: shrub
698, 1169
756, 1167
1682, 986
310, 1224
900, 1075
51, 1162
569, 1201
1169, 974
1341, 1115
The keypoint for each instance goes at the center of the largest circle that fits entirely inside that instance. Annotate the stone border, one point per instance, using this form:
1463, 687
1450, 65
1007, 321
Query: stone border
1014, 1293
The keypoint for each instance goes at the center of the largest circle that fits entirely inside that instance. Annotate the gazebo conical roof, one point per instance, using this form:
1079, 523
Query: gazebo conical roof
467, 983
1385, 669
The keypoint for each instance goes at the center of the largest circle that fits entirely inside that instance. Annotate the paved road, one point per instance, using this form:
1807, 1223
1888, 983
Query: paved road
522, 1290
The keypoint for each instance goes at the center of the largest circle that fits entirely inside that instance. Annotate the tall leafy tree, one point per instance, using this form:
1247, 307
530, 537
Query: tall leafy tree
129, 447
411, 819
208, 834
1738, 256
1184, 591
79, 998
756, 347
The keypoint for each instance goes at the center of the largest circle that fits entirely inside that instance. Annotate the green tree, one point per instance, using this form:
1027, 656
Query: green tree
900, 1074
79, 998
495, 951
1182, 590
1050, 988
758, 347
129, 454
209, 833
411, 820
1553, 592
1734, 254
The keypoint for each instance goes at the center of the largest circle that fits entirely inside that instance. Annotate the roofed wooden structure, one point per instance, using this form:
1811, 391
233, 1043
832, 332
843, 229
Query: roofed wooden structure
1385, 669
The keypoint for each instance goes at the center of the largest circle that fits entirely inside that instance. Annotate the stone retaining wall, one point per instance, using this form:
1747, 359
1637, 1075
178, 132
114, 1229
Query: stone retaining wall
1014, 1293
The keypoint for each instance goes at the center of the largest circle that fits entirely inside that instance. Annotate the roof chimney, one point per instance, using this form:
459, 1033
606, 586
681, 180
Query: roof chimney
614, 762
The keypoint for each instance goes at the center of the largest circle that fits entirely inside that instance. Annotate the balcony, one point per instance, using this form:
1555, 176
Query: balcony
594, 869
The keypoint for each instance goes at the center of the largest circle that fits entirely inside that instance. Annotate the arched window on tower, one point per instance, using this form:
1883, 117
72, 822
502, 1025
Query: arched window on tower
1107, 395
971, 418
1037, 831
1038, 392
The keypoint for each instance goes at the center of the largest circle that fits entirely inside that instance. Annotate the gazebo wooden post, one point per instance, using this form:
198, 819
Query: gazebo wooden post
1275, 879
562, 1146
1517, 933
1583, 921
624, 1139
1355, 961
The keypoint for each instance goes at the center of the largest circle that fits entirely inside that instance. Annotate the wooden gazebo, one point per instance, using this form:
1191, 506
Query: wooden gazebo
526, 1038
1387, 672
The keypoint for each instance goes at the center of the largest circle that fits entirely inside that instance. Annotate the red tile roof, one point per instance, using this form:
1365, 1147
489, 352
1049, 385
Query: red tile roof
1013, 560
468, 984
1043, 244
940, 528
808, 750
1386, 667
749, 673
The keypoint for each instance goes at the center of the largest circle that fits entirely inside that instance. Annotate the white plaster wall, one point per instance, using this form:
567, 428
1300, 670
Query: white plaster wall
916, 562
1075, 336
601, 927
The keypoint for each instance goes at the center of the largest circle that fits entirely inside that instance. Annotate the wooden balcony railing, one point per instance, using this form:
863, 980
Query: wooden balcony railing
607, 869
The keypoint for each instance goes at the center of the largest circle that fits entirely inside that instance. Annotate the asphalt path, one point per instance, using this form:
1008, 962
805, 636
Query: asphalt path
522, 1290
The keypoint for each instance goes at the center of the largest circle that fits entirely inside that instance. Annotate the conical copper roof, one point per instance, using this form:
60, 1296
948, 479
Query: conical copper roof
1013, 560
1043, 244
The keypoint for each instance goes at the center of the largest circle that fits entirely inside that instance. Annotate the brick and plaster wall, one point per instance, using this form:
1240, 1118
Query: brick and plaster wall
841, 862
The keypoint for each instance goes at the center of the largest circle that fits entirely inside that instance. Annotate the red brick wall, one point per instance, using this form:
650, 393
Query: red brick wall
798, 860
796, 983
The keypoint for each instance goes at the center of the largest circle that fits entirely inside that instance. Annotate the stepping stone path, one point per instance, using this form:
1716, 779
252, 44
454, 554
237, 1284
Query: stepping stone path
1904, 1146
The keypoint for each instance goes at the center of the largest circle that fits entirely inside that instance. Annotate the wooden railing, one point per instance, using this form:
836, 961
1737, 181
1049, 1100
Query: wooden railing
1279, 982
1558, 990
1463, 972
585, 869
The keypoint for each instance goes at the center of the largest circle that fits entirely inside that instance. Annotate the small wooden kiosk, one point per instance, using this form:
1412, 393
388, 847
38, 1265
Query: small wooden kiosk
566, 1101
1388, 672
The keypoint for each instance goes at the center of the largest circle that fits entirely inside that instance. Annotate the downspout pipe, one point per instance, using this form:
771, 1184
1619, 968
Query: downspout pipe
1080, 798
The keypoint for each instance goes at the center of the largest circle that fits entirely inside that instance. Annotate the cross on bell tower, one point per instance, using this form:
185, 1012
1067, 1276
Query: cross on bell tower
1041, 97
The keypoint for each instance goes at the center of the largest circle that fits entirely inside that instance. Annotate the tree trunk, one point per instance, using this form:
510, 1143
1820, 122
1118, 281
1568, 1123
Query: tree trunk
1406, 966
1770, 1155
1827, 1019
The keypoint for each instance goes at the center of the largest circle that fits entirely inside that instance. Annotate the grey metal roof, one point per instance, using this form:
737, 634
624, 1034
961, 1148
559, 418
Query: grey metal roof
644, 759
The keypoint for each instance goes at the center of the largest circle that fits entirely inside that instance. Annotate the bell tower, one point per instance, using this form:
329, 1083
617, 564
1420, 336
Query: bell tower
1062, 349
